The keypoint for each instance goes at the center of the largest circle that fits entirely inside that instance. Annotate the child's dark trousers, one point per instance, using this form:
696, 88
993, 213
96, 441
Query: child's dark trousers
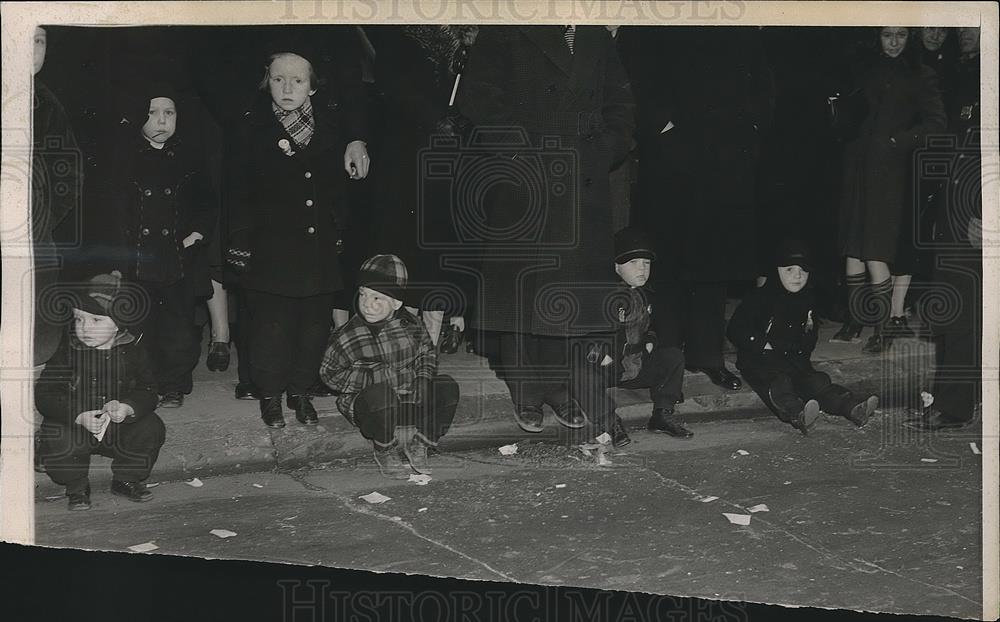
378, 409
784, 383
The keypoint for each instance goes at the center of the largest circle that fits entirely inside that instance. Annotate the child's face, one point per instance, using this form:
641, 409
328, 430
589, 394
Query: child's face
374, 306
894, 40
288, 80
94, 331
635, 272
40, 42
793, 278
968, 39
933, 38
162, 121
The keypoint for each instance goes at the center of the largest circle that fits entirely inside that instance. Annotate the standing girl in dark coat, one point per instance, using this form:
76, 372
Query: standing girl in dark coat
775, 333
285, 217
163, 205
904, 106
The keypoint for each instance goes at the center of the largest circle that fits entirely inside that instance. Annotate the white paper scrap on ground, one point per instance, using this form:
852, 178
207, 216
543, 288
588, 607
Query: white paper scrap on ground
420, 479
759, 508
787, 483
152, 484
743, 452
145, 547
585, 451
375, 497
604, 438
223, 533
708, 499
256, 485
422, 510
975, 449
603, 460
737, 519
509, 450
195, 483
560, 485
928, 459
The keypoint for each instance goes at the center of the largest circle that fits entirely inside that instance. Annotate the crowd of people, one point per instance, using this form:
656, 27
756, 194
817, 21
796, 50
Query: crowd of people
344, 197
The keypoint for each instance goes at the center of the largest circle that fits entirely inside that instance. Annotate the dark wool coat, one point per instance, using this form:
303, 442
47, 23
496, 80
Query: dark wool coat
697, 181
288, 211
79, 378
904, 106
535, 202
771, 314
357, 358
158, 198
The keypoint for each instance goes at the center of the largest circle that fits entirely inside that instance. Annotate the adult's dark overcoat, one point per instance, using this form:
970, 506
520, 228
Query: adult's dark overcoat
697, 180
550, 126
904, 106
288, 210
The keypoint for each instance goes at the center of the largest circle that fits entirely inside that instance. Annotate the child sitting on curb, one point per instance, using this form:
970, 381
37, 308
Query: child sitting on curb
97, 395
775, 334
384, 366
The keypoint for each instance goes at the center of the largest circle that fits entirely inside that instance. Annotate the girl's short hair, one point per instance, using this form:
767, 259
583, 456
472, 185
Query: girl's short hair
313, 78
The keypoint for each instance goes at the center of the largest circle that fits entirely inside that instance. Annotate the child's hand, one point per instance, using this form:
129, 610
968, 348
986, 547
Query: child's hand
649, 347
118, 411
458, 322
191, 239
91, 420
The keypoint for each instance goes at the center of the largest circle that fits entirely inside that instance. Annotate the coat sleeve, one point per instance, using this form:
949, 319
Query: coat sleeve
747, 327
204, 207
53, 388
931, 118
619, 108
240, 178
482, 94
143, 395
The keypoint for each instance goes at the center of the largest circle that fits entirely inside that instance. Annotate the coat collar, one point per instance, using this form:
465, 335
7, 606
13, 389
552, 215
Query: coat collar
578, 65
262, 120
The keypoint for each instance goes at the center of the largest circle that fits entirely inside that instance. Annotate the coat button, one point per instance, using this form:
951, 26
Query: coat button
148, 192
309, 202
308, 174
550, 88
165, 232
167, 191
145, 231
588, 181
311, 230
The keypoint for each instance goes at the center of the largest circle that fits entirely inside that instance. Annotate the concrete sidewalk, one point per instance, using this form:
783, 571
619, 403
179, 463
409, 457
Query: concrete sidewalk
215, 434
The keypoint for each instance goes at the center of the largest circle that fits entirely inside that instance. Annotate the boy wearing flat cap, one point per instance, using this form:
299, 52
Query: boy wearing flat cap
634, 360
384, 365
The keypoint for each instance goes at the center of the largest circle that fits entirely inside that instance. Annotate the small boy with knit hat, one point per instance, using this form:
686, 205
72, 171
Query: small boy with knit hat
98, 395
633, 359
384, 365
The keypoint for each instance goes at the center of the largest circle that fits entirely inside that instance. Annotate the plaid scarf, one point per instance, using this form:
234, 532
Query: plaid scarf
299, 123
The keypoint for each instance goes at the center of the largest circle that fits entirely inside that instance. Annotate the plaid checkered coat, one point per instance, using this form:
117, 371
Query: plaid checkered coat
356, 358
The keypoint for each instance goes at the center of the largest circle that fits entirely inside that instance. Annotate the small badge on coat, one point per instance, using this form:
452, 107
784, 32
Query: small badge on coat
621, 314
809, 320
286, 147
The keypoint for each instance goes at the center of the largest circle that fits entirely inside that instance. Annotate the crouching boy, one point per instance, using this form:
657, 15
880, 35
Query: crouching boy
97, 395
384, 366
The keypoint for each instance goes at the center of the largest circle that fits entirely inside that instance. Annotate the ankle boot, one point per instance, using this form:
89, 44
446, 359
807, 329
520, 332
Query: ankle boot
305, 412
270, 412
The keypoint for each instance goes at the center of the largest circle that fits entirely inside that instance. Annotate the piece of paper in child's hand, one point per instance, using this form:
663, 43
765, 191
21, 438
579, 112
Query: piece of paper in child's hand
105, 422
223, 533
509, 450
737, 519
145, 547
375, 498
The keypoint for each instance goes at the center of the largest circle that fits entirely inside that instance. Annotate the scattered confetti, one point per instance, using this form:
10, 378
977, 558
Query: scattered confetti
145, 547
375, 498
928, 459
603, 460
223, 533
564, 516
195, 483
604, 438
422, 510
737, 519
759, 508
509, 450
584, 451
743, 452
708, 499
787, 483
975, 449
397, 518
256, 485
538, 494
560, 485
152, 484
419, 479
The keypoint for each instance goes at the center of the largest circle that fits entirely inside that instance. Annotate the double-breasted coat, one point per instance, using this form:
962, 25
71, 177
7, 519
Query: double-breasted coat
288, 210
705, 99
533, 189
904, 106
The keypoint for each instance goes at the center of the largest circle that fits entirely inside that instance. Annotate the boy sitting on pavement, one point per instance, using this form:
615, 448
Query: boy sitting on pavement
97, 395
775, 334
384, 365
634, 361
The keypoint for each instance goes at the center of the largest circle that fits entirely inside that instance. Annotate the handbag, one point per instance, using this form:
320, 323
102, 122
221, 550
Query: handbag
847, 114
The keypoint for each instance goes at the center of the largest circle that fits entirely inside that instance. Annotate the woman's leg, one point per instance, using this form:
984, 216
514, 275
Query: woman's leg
900, 285
218, 310
879, 306
850, 332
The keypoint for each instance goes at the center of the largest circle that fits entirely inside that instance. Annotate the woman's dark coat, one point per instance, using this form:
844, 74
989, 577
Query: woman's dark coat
904, 107
534, 184
698, 180
288, 210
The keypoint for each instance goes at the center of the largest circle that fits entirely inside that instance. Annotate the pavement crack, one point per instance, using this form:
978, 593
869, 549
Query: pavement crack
350, 505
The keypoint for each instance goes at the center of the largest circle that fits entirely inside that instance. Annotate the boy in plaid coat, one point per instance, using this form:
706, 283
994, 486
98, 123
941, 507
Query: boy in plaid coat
385, 367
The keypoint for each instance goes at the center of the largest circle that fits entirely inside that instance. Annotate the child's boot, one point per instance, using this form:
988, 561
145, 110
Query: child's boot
389, 463
79, 496
664, 420
619, 437
860, 412
416, 454
305, 412
133, 491
790, 408
270, 412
